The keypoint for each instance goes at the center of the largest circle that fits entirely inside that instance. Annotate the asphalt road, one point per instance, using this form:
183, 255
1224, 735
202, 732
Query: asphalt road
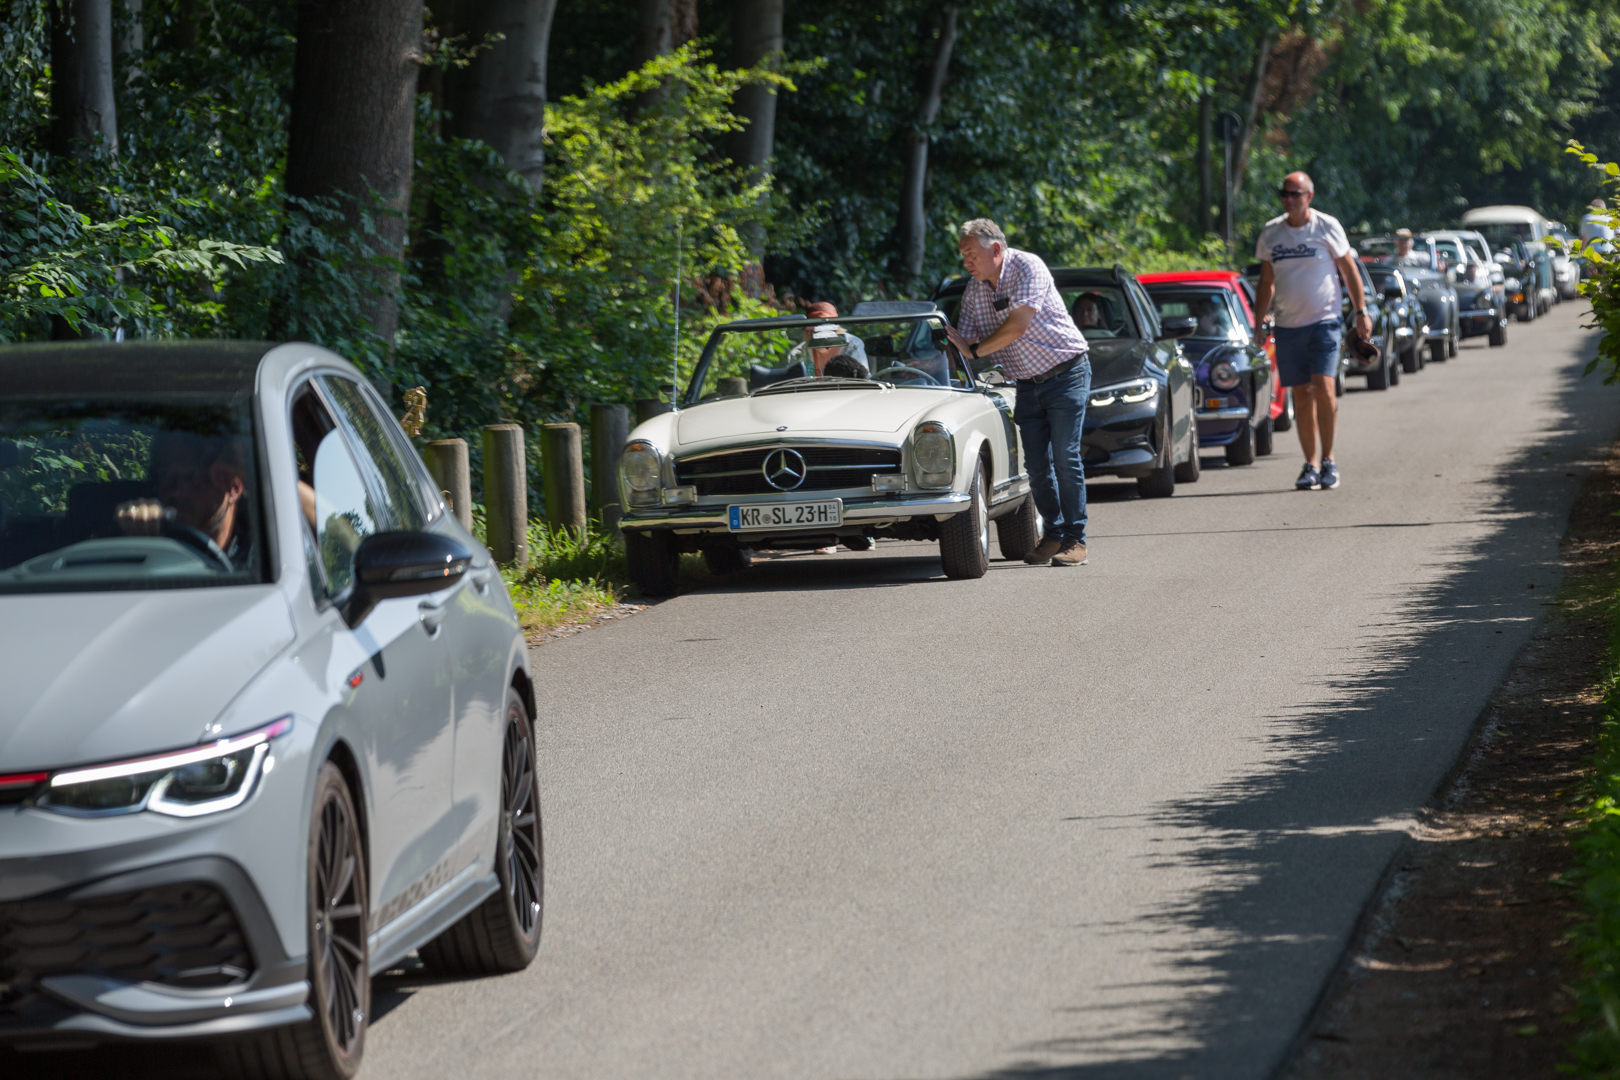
844, 818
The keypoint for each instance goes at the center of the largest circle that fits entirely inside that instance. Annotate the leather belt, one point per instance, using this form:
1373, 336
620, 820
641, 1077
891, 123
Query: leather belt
1054, 372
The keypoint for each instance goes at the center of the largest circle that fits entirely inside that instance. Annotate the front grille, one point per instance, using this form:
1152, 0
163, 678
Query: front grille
827, 468
182, 935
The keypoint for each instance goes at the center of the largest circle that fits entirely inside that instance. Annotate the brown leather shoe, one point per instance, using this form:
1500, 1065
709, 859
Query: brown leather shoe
1072, 555
1043, 552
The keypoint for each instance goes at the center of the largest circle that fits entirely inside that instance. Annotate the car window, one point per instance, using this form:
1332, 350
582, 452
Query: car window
1148, 313
1218, 318
1099, 311
337, 506
1448, 248
393, 481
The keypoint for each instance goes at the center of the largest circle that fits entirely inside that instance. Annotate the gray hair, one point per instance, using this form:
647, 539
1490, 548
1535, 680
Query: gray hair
985, 231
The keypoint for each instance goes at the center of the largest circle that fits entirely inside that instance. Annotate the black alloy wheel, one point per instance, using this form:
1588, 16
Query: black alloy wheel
1161, 482
964, 537
1262, 438
502, 934
329, 1046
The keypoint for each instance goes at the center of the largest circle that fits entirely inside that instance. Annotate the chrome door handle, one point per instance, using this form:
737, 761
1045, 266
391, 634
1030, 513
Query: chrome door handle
481, 578
431, 615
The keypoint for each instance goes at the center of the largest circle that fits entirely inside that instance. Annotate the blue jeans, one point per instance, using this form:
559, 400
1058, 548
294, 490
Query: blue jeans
1050, 416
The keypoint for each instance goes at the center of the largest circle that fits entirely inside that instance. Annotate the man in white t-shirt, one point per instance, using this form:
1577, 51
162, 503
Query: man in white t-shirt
1303, 255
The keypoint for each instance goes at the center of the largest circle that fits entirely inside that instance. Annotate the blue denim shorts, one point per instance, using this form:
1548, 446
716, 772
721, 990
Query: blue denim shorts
1303, 351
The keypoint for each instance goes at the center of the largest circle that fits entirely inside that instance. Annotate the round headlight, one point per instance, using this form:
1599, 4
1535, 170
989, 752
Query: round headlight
640, 467
931, 450
1223, 375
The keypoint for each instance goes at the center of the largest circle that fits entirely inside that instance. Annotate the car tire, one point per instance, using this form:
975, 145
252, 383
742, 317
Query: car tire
328, 1046
502, 934
1379, 380
1411, 363
1240, 451
1262, 438
964, 538
1456, 335
651, 559
1161, 482
853, 543
1284, 420
1188, 471
1019, 533
1498, 335
730, 559
1437, 352
1392, 362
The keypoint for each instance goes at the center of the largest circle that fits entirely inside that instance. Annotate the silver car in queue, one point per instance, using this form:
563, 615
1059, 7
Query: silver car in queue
246, 759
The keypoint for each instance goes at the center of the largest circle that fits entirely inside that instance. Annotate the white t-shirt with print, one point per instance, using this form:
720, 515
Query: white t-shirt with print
1302, 264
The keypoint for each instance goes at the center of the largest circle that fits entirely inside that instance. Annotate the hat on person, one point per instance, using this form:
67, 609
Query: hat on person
821, 310
1404, 234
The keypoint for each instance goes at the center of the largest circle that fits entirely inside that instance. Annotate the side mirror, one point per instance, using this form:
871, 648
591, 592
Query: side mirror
993, 377
394, 564
1177, 326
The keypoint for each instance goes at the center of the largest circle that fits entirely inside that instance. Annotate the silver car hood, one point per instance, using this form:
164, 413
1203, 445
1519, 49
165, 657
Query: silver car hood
99, 676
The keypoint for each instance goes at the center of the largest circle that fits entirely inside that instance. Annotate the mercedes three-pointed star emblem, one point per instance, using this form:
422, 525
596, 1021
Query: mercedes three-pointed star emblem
784, 469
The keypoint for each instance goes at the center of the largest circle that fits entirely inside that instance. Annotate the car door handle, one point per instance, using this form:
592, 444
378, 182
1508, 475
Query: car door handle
431, 615
481, 578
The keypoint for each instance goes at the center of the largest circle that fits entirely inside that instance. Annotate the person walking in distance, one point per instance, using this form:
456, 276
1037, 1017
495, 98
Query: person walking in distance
1013, 315
1303, 254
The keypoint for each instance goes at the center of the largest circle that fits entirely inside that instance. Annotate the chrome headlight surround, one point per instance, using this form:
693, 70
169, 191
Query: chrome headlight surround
1223, 376
206, 779
641, 472
1126, 393
933, 453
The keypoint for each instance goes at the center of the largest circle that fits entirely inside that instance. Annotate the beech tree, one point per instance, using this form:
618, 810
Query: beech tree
913, 227
500, 96
662, 26
351, 127
756, 32
84, 117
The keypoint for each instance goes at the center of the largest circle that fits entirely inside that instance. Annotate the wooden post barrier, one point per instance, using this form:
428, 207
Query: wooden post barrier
647, 408
506, 494
733, 386
563, 461
610, 427
447, 461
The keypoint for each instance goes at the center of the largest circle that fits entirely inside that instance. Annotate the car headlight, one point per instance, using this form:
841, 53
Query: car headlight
185, 783
934, 454
642, 470
1131, 393
1223, 375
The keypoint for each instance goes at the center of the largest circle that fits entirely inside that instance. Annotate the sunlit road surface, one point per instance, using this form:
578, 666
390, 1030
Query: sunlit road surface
844, 818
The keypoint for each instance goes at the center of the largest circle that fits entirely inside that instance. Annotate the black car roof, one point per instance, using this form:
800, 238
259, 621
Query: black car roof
215, 368
1061, 275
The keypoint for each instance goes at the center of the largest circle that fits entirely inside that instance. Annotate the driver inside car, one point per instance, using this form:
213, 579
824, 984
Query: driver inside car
199, 481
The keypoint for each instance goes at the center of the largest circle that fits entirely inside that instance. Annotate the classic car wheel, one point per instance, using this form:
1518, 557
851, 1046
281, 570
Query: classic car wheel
1018, 533
1437, 352
1262, 438
651, 559
1411, 362
329, 1045
1392, 363
1161, 483
1456, 335
964, 539
503, 933
729, 559
857, 543
1498, 335
1379, 380
1240, 451
1284, 420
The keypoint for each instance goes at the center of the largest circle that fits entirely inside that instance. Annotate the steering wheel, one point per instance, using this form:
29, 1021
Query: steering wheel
199, 540
905, 368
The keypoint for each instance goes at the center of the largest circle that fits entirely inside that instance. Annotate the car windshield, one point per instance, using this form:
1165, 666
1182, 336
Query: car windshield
1099, 311
1451, 251
826, 354
1382, 276
1502, 235
125, 492
1215, 310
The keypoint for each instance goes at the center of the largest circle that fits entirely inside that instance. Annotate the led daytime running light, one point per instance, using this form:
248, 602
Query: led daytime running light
167, 762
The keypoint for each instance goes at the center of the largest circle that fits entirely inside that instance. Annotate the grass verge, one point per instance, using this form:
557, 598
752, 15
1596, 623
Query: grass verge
570, 578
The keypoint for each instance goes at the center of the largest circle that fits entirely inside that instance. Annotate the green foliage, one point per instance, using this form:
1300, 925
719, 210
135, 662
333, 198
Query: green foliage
1600, 279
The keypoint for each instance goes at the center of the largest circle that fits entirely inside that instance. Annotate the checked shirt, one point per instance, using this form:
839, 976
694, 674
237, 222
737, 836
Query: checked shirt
1051, 338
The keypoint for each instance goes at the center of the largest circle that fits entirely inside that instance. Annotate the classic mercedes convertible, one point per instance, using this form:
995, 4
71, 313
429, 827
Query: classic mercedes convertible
804, 433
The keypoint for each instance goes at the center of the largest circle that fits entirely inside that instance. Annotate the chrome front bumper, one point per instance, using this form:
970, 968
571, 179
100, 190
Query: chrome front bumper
715, 518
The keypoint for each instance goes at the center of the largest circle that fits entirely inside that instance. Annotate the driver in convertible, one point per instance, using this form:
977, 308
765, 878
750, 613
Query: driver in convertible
199, 482
851, 346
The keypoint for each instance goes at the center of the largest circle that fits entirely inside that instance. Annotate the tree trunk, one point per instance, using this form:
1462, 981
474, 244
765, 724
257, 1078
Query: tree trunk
500, 98
756, 33
1206, 166
353, 110
662, 26
1251, 110
913, 214
83, 113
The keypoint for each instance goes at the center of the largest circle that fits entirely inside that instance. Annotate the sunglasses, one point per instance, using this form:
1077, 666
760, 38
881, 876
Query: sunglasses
1290, 193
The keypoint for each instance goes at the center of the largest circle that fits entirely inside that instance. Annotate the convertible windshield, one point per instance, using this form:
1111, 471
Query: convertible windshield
127, 492
1215, 310
795, 355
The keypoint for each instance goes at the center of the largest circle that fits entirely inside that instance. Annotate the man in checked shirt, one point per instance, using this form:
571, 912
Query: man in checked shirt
1012, 315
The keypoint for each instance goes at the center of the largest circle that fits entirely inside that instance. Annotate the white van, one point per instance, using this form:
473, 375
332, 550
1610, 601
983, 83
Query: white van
1528, 225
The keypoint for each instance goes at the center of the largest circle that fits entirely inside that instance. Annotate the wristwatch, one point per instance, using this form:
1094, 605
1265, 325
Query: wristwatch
973, 350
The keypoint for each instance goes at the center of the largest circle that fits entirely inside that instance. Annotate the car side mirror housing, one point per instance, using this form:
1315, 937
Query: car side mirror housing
394, 564
993, 377
1177, 326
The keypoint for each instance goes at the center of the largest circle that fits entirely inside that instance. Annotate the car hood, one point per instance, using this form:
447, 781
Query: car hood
99, 676
1116, 360
831, 411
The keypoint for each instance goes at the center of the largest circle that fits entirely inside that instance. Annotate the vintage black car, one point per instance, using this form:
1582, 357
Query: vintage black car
1481, 311
1526, 270
1139, 420
1404, 314
1384, 371
1424, 270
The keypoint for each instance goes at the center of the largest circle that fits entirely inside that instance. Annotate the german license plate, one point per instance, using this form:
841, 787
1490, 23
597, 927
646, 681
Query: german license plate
799, 515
